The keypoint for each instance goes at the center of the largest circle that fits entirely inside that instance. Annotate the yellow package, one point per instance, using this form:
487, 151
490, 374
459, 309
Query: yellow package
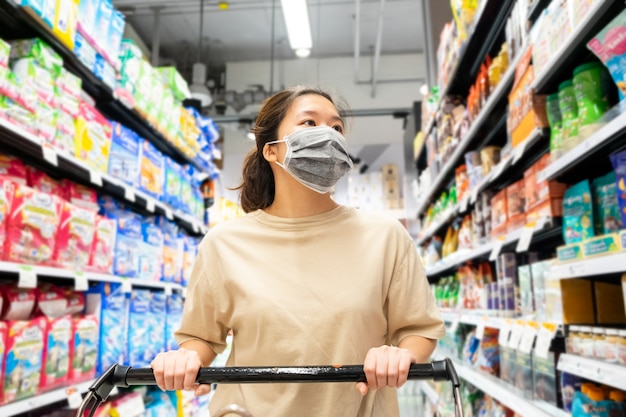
65, 21
92, 143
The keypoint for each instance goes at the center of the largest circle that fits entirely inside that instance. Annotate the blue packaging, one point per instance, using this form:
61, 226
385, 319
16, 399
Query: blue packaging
87, 13
157, 320
139, 337
151, 253
570, 384
172, 187
189, 258
619, 165
151, 176
172, 252
102, 23
128, 243
116, 33
84, 51
107, 301
186, 192
38, 6
49, 9
124, 154
173, 319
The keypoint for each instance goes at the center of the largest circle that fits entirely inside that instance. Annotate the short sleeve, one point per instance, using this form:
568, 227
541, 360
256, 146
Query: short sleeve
204, 308
411, 308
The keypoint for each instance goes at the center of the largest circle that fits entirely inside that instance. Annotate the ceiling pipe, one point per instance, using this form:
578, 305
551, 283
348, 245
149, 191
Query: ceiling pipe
379, 41
156, 35
396, 113
357, 38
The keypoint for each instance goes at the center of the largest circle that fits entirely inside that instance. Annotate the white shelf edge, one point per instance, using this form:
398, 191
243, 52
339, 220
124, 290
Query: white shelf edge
500, 391
610, 264
473, 318
197, 224
48, 271
469, 136
574, 40
595, 370
41, 400
605, 133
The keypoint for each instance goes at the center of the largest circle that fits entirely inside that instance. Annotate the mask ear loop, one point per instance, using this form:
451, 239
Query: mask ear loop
288, 151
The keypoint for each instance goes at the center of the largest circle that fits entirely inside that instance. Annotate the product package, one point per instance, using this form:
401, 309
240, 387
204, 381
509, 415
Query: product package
124, 155
75, 237
545, 198
173, 248
5, 54
32, 227
4, 333
128, 243
174, 316
150, 258
22, 368
515, 203
93, 138
592, 85
569, 115
40, 181
107, 302
619, 165
56, 354
609, 45
578, 213
7, 188
19, 302
40, 51
609, 303
152, 170
189, 257
81, 196
28, 70
65, 20
103, 248
157, 318
84, 347
606, 205
508, 287
499, 212
140, 338
544, 386
13, 168
173, 183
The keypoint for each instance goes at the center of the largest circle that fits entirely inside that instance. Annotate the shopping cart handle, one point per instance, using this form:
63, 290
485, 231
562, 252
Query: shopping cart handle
125, 376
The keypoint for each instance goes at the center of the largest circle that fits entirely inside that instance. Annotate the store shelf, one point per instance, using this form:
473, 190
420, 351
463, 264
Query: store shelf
41, 400
612, 131
462, 256
473, 318
501, 391
19, 22
76, 276
603, 265
479, 123
551, 70
16, 136
594, 370
429, 392
535, 10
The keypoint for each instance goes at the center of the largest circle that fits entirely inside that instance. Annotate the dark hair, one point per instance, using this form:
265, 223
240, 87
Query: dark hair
258, 188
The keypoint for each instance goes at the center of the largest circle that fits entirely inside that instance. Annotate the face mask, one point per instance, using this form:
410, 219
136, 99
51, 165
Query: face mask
316, 157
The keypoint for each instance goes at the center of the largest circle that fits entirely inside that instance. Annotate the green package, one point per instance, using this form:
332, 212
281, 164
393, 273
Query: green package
606, 206
175, 82
569, 114
578, 213
40, 51
556, 126
592, 87
5, 53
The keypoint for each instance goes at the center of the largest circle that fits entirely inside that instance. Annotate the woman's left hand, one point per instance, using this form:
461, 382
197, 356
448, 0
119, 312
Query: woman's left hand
385, 366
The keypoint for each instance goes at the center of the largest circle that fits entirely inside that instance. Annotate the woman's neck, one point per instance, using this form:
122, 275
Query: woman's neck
300, 202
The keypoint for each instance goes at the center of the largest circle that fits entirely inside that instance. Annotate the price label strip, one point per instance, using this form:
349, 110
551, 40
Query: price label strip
50, 155
80, 282
527, 236
497, 248
126, 286
480, 330
528, 337
74, 398
96, 178
129, 194
150, 205
505, 333
27, 277
517, 330
546, 333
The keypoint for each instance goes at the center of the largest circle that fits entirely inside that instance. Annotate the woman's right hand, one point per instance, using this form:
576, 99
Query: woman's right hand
177, 370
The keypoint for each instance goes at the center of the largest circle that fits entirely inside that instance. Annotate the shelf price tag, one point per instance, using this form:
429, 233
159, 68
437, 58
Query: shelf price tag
126, 286
505, 332
74, 398
475, 194
80, 282
96, 178
169, 214
528, 337
129, 194
50, 155
517, 331
519, 151
455, 324
546, 333
480, 330
27, 277
499, 169
150, 205
527, 236
463, 205
497, 248
168, 290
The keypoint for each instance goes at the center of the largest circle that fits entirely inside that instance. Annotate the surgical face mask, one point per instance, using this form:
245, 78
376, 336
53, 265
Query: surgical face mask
317, 157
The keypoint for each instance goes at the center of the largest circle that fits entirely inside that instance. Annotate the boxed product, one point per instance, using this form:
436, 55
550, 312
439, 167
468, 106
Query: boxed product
7, 188
84, 51
609, 46
39, 50
151, 252
508, 287
56, 354
75, 237
32, 227
544, 386
40, 181
93, 138
618, 161
116, 33
22, 368
524, 373
128, 243
539, 271
608, 218
46, 121
527, 297
527, 110
108, 303
65, 20
4, 333
152, 169
65, 133
139, 336
87, 13
545, 198
157, 317
19, 302
84, 347
173, 318
102, 24
578, 213
68, 90
124, 154
499, 213
175, 82
81, 196
13, 169
609, 303
515, 203
173, 248
102, 251
508, 364
173, 183
576, 298
190, 250
29, 70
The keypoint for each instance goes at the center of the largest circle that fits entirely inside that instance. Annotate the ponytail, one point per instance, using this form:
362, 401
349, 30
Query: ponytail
257, 188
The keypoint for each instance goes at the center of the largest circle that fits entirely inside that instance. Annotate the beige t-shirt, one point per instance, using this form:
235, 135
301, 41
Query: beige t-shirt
319, 290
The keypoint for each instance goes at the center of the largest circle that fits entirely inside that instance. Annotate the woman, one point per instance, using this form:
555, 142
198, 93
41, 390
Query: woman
301, 280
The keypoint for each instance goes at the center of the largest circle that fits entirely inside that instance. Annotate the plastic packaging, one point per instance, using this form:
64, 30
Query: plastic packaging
578, 213
556, 126
591, 85
569, 113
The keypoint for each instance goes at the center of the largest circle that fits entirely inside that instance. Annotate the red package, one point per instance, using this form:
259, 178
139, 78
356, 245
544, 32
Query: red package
74, 236
84, 348
103, 245
42, 182
4, 334
51, 301
19, 303
75, 302
7, 189
81, 196
56, 355
13, 169
32, 227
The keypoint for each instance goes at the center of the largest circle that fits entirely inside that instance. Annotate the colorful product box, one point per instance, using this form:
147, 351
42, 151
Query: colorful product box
39, 50
81, 196
13, 169
139, 340
173, 183
103, 248
515, 197
65, 133
499, 213
22, 368
56, 355
157, 322
4, 334
508, 288
65, 20
173, 319
32, 226
102, 23
116, 33
127, 243
75, 237
84, 348
28, 70
152, 170
173, 248
93, 138
124, 157
84, 51
87, 13
7, 188
19, 303
40, 181
5, 53
189, 258
150, 259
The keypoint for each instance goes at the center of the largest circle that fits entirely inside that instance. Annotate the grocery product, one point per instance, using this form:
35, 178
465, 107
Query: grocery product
5, 53
103, 246
7, 188
152, 166
515, 206
40, 51
174, 315
84, 347
556, 126
124, 154
592, 88
499, 213
569, 113
128, 243
40, 181
609, 45
93, 138
157, 316
606, 206
28, 70
65, 20
56, 353
75, 236
3, 349
151, 252
115, 34
618, 161
139, 336
175, 82
578, 213
80, 195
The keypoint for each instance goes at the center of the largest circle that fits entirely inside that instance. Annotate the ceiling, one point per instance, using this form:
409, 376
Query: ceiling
243, 31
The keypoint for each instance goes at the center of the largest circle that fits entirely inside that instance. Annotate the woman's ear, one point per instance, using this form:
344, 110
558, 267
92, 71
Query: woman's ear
269, 153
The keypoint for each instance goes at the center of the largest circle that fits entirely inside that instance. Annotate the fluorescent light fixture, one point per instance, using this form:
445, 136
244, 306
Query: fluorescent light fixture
296, 13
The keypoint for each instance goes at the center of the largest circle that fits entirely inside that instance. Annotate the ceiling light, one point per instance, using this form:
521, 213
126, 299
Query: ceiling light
296, 13
198, 88
223, 5
303, 52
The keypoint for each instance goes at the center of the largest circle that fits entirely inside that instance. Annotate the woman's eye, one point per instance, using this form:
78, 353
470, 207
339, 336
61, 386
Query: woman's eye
338, 128
309, 122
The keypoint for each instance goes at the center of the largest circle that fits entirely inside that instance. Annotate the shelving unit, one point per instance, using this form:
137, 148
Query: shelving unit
594, 370
601, 265
42, 400
15, 136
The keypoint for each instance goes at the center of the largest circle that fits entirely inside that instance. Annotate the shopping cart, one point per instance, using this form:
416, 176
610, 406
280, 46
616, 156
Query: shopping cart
125, 376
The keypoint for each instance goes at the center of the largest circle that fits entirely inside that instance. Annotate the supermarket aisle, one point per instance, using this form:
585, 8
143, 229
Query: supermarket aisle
411, 401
